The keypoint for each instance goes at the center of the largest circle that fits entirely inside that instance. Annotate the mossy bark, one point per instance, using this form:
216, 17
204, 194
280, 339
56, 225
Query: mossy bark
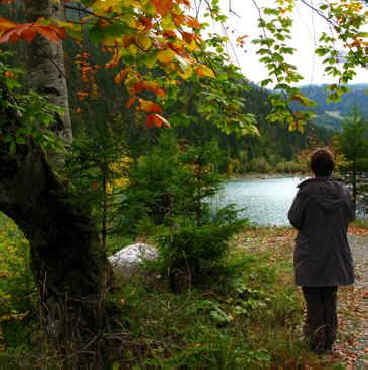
66, 254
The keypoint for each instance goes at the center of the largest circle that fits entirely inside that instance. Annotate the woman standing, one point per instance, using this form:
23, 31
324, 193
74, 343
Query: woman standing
321, 212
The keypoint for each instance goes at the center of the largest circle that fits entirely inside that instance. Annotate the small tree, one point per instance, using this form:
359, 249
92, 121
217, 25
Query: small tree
353, 143
168, 197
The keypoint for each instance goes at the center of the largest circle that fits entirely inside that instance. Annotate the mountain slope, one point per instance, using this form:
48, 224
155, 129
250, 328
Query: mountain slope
331, 115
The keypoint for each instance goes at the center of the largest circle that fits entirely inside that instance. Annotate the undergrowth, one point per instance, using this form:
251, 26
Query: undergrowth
247, 315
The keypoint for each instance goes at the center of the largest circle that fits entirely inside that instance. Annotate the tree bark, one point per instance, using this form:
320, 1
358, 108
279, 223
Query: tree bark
45, 64
67, 260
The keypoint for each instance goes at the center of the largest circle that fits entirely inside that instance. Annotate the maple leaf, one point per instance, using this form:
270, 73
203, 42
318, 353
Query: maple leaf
155, 120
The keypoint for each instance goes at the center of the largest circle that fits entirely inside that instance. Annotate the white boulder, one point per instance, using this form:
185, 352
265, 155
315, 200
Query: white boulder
126, 261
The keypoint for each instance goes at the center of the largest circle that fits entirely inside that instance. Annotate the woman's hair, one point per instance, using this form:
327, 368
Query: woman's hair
322, 162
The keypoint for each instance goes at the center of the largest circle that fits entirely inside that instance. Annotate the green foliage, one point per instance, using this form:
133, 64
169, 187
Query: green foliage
245, 318
31, 117
219, 101
18, 294
191, 252
169, 195
352, 142
97, 167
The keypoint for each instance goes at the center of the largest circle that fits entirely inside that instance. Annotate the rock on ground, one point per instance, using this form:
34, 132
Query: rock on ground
127, 261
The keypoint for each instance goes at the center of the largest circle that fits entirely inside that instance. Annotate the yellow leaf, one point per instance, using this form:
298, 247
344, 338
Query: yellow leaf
165, 56
192, 46
187, 73
168, 24
204, 71
144, 42
132, 49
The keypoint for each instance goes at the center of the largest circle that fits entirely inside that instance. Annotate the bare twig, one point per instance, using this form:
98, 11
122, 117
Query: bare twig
305, 2
86, 11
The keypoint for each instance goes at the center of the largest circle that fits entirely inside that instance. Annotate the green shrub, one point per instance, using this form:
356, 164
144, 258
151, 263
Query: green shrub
191, 252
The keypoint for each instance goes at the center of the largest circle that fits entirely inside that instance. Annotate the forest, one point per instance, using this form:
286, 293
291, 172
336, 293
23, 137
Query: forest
120, 121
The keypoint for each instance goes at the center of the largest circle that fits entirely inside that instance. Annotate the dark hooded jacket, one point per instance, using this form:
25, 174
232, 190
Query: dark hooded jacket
321, 212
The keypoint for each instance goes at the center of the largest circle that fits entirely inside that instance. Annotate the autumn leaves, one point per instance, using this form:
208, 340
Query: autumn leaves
139, 35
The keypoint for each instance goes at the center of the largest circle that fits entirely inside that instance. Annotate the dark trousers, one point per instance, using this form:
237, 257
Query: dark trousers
321, 322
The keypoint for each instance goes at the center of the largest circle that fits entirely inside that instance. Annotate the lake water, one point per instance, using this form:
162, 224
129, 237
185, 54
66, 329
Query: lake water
266, 200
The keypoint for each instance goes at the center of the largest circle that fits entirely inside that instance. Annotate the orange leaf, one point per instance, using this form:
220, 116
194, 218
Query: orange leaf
51, 33
95, 186
5, 24
204, 71
187, 37
8, 74
163, 6
131, 101
120, 76
177, 49
128, 40
166, 56
178, 19
114, 60
149, 106
192, 22
82, 95
155, 120
169, 34
185, 2
28, 32
146, 22
149, 86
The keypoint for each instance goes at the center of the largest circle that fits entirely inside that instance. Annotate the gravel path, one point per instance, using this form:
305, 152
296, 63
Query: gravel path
353, 309
359, 248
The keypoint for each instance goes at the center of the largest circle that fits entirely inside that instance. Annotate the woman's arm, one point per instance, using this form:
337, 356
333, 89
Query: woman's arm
296, 211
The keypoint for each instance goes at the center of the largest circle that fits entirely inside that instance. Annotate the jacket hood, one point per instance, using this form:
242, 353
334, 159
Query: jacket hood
325, 191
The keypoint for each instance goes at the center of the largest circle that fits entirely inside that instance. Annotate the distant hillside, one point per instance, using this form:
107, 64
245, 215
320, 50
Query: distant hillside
331, 115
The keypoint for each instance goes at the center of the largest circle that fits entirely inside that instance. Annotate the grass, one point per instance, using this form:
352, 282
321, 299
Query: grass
247, 316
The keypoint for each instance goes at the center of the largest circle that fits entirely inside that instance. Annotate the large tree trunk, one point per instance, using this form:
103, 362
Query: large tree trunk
66, 255
45, 64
